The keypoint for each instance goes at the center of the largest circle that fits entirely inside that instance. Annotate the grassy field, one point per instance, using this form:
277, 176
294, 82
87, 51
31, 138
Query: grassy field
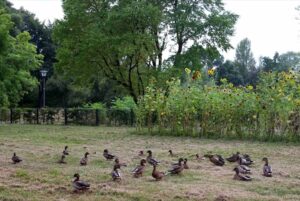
39, 177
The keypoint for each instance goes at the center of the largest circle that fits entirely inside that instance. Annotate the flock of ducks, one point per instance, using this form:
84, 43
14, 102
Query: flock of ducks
242, 170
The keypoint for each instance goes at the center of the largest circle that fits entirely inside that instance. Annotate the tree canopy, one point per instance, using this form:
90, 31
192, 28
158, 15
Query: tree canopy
126, 41
17, 58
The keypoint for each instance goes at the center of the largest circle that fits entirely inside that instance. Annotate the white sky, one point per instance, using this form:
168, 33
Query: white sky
271, 25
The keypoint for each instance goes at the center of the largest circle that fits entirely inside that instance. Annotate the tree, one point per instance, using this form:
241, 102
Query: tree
229, 71
283, 62
17, 58
125, 41
244, 59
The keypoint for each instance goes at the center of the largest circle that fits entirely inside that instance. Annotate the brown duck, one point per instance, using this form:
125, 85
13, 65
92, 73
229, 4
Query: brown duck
62, 159
185, 165
216, 159
139, 170
65, 151
16, 159
116, 174
171, 153
245, 160
151, 160
84, 160
119, 164
141, 153
80, 185
243, 169
156, 174
177, 168
107, 155
241, 177
267, 169
234, 157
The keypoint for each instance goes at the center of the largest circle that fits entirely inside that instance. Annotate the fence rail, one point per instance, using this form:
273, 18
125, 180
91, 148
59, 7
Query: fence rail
67, 116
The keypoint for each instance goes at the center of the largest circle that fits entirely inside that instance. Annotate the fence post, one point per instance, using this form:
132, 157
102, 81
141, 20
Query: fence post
131, 117
37, 116
11, 115
97, 117
66, 116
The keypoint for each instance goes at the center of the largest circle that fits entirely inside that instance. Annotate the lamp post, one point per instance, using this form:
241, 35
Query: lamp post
43, 73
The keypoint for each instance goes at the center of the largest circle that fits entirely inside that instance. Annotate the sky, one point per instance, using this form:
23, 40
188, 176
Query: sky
270, 25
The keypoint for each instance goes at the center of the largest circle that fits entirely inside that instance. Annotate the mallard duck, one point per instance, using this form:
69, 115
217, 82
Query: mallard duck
65, 151
107, 155
216, 159
80, 185
84, 160
118, 163
177, 168
244, 161
139, 170
116, 175
243, 169
198, 158
171, 153
234, 157
267, 170
141, 153
156, 174
62, 159
151, 160
16, 159
238, 176
185, 165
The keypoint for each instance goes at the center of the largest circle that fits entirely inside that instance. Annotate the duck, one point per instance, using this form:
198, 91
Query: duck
185, 165
84, 160
177, 168
171, 153
62, 159
198, 157
107, 155
234, 157
16, 159
65, 151
151, 160
119, 164
116, 175
80, 185
240, 177
157, 175
267, 169
139, 170
141, 153
243, 169
216, 159
248, 158
244, 161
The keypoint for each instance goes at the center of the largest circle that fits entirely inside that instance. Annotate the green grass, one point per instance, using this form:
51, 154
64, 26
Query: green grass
40, 177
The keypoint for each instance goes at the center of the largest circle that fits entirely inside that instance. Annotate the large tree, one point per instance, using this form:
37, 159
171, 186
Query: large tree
17, 58
244, 60
125, 41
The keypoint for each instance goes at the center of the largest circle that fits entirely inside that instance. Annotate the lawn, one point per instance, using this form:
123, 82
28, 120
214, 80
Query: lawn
39, 177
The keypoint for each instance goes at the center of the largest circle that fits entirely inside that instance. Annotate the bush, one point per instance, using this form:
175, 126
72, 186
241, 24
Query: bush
271, 111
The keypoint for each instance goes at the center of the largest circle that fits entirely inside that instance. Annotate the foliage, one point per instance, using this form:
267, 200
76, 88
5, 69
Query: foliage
98, 105
17, 58
283, 62
271, 111
126, 104
125, 41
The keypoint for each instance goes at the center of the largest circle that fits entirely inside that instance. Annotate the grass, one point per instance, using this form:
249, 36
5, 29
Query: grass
39, 177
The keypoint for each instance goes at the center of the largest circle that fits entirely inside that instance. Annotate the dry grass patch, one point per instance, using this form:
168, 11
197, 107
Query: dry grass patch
40, 177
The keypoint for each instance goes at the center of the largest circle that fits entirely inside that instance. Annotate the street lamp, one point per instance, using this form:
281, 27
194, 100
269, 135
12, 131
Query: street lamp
43, 73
